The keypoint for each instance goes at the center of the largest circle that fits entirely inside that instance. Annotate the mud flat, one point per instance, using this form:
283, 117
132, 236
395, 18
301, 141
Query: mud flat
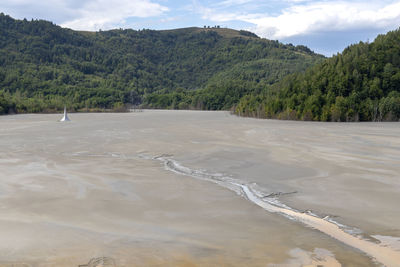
185, 188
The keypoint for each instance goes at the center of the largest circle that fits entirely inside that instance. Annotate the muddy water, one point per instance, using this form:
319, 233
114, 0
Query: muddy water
98, 186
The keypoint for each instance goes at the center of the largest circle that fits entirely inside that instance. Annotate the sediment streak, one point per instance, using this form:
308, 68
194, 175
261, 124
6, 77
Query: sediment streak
382, 254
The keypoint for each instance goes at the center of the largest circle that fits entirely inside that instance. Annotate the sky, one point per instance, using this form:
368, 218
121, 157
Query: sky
325, 26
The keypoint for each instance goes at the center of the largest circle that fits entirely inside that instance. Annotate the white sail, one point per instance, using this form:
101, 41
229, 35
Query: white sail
65, 118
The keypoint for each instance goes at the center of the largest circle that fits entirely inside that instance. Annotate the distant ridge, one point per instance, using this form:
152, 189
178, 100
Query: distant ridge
43, 66
224, 32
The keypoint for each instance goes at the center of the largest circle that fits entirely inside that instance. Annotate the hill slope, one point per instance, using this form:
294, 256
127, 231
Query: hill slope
42, 66
360, 84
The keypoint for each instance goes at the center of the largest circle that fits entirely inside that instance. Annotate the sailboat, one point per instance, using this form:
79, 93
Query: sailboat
65, 118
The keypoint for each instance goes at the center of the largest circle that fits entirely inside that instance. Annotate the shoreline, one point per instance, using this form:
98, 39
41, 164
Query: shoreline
132, 110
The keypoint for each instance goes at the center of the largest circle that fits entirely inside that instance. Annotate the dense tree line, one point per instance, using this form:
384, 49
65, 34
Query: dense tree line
360, 84
44, 66
225, 89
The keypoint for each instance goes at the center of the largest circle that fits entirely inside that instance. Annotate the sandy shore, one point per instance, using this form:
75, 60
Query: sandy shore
74, 191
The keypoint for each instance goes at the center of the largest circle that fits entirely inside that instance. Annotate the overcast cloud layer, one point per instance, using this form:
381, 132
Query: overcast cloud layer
308, 22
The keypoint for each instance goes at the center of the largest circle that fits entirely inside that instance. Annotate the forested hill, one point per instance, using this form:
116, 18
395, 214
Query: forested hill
44, 66
360, 84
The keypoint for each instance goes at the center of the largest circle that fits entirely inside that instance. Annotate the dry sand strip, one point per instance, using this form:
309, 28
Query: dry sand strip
381, 254
385, 255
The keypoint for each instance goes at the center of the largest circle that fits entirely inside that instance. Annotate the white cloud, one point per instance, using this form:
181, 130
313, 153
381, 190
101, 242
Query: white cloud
306, 17
297, 1
333, 16
273, 19
105, 14
84, 15
228, 3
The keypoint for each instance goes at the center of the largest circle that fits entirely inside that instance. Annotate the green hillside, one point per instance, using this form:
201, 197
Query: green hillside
43, 66
360, 84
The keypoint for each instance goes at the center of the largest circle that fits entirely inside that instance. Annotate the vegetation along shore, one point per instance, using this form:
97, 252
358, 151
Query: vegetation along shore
44, 66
